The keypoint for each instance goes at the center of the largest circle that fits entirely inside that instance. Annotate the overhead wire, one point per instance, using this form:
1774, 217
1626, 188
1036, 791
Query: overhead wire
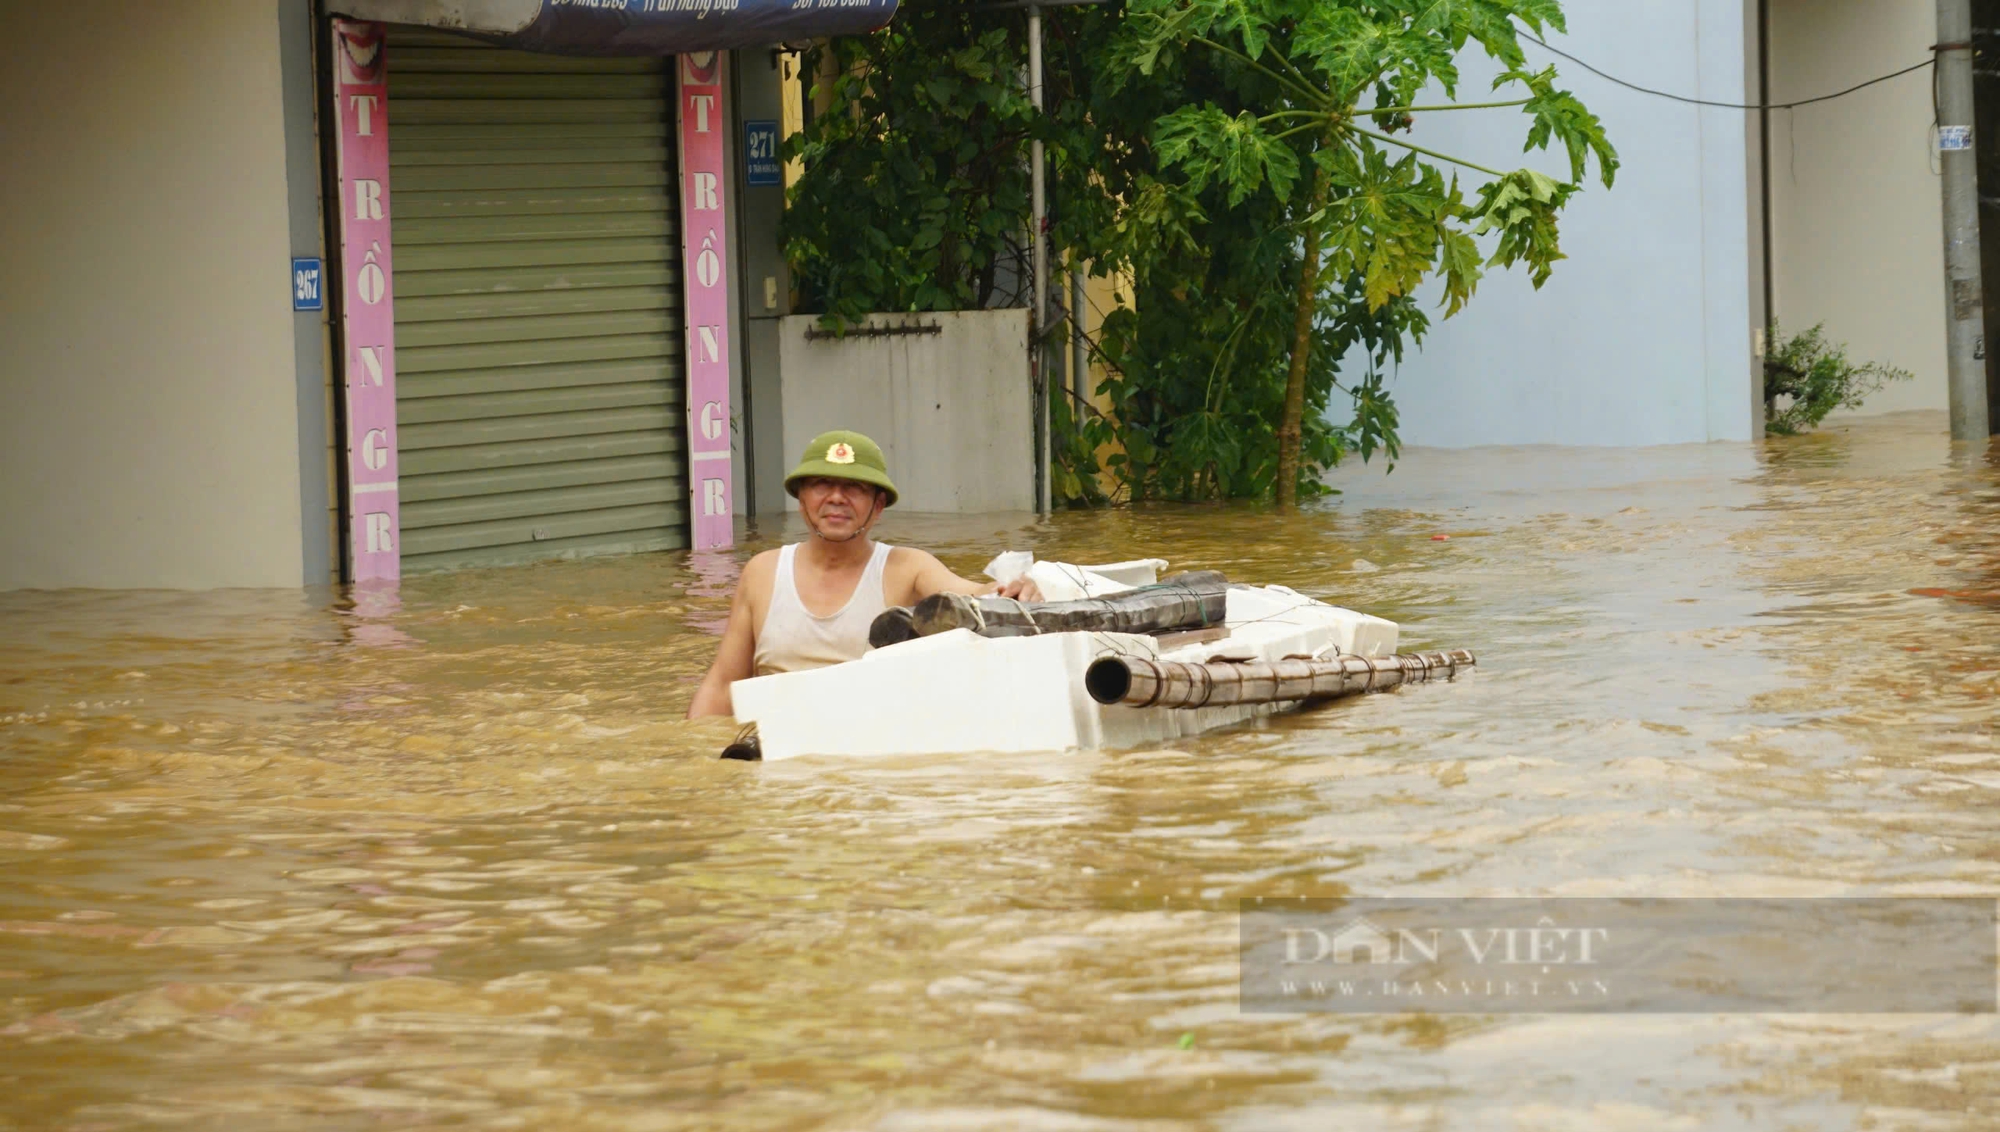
1932, 62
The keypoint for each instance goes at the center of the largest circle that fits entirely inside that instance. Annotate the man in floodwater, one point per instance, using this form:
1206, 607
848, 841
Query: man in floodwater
810, 604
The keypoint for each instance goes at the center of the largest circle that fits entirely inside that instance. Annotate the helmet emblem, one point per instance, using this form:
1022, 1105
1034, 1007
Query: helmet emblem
840, 453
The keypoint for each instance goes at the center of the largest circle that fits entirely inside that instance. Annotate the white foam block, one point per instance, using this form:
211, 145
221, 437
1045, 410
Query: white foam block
958, 692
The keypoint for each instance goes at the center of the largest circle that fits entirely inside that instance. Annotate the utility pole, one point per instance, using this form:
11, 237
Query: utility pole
1038, 221
1960, 163
1041, 353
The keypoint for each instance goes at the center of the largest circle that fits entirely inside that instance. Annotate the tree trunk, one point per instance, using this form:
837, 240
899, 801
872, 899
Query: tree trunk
1291, 430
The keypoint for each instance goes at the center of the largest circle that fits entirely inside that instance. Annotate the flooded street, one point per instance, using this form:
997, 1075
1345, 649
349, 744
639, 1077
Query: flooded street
273, 861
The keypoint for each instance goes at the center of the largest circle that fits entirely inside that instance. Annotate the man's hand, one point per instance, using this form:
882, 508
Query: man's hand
1022, 588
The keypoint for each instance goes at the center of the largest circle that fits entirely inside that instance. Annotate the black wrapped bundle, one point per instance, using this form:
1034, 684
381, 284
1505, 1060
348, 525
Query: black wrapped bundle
1185, 601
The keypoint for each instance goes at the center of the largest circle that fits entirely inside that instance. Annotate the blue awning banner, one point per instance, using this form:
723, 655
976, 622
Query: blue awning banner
631, 27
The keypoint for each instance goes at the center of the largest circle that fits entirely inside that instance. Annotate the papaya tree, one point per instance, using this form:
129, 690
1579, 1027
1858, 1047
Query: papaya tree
1303, 130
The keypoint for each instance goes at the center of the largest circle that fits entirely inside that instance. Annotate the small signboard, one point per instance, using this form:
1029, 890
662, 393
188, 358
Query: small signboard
760, 153
1954, 138
367, 299
306, 294
704, 81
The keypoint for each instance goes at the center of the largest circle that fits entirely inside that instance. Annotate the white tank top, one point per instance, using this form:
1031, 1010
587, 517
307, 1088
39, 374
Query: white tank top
793, 638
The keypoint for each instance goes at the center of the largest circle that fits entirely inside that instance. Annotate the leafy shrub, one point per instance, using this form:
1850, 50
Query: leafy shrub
1814, 377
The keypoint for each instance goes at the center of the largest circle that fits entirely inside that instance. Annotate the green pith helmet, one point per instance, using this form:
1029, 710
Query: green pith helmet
843, 455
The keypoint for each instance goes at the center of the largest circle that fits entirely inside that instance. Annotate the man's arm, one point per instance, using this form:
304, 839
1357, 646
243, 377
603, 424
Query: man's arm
735, 660
934, 577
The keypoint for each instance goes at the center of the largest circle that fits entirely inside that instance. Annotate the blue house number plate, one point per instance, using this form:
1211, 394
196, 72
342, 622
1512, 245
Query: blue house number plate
306, 295
760, 153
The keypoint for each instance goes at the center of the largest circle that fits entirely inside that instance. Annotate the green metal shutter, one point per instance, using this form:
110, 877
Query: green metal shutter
538, 304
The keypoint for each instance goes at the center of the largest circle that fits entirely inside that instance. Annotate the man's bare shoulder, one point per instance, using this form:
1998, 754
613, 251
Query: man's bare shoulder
763, 566
910, 558
754, 588
758, 575
901, 572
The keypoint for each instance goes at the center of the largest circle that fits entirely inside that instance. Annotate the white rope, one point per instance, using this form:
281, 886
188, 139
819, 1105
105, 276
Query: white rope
1020, 605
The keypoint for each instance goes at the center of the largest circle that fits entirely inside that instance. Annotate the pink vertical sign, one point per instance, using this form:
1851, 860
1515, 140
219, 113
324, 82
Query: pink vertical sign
368, 318
705, 291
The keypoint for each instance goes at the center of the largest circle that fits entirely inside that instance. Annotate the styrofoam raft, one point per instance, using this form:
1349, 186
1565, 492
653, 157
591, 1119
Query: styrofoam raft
959, 692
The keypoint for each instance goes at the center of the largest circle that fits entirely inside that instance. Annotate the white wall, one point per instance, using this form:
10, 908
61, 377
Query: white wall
1857, 210
1643, 334
952, 411
150, 437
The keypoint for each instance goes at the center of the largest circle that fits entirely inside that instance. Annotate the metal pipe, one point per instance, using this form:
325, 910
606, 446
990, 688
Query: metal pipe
1140, 682
1965, 316
333, 268
1038, 220
1079, 343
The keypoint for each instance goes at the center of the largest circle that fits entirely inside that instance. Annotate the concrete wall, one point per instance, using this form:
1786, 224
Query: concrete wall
765, 295
151, 437
1643, 336
1856, 204
312, 362
952, 411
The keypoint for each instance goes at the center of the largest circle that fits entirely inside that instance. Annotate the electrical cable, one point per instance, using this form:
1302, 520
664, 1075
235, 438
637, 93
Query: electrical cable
1731, 105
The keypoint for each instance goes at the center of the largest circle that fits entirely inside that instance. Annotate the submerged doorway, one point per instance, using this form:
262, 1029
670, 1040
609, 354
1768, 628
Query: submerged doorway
538, 303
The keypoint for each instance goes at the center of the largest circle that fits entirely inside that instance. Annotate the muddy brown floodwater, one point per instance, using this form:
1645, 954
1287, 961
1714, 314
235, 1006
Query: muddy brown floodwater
270, 862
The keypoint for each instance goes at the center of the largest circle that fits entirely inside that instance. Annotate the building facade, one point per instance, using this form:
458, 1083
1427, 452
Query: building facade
1857, 215
301, 292
159, 436
1651, 331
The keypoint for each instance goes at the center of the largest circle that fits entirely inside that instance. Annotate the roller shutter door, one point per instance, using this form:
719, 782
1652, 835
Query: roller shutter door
538, 321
